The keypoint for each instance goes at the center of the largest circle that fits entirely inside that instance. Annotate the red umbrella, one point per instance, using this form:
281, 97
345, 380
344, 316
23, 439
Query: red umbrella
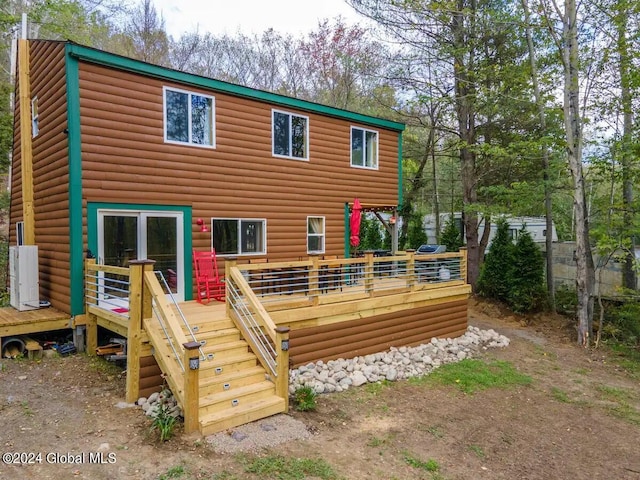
354, 223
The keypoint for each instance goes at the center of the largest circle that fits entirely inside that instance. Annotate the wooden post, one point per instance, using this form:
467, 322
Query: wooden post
314, 285
411, 269
190, 410
368, 272
91, 287
282, 366
134, 334
463, 264
26, 153
229, 262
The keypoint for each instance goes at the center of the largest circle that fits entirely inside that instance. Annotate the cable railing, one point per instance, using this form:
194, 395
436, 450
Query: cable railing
107, 287
363, 275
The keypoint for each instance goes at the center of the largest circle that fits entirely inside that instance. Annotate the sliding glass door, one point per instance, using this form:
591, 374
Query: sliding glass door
125, 235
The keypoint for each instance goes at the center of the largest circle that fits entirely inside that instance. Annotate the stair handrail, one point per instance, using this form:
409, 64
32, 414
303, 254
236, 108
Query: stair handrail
269, 342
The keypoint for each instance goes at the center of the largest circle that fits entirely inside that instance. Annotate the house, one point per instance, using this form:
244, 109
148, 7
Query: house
133, 166
536, 226
132, 160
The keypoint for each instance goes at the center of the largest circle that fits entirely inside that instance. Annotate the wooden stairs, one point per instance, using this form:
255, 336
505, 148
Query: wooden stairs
234, 388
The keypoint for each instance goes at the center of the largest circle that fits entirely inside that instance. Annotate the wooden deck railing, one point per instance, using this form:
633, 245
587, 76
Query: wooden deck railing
319, 281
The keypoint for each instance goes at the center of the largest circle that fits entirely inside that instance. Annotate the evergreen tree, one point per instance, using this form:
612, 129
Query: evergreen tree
451, 236
416, 235
527, 292
370, 234
496, 274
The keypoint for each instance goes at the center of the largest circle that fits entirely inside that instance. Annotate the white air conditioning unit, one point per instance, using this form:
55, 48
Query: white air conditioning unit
23, 277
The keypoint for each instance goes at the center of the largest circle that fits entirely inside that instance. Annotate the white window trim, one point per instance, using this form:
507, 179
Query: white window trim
365, 130
264, 235
35, 117
213, 117
324, 234
273, 146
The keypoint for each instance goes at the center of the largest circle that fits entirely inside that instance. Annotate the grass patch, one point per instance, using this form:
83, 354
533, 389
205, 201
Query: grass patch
627, 357
429, 466
471, 375
377, 388
103, 366
174, 472
286, 468
26, 409
560, 395
477, 449
622, 409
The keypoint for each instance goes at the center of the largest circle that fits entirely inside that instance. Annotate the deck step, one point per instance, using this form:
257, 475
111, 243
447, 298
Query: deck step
235, 397
243, 413
216, 384
223, 364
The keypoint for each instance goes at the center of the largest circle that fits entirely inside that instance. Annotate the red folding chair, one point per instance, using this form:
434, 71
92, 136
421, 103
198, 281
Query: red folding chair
209, 283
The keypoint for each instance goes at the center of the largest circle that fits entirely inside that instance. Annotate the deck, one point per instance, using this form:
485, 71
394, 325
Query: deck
14, 322
227, 362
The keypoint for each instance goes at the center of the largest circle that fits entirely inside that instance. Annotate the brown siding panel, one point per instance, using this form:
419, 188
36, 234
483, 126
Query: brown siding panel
377, 334
126, 160
50, 171
150, 376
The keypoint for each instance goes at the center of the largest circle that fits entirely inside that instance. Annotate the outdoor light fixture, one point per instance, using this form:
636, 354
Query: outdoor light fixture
392, 220
202, 225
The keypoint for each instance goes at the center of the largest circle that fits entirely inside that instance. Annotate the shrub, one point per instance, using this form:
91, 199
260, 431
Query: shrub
496, 274
304, 399
566, 300
622, 322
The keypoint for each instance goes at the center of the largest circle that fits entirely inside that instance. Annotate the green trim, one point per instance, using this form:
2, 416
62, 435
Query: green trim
92, 231
400, 172
347, 230
76, 253
110, 60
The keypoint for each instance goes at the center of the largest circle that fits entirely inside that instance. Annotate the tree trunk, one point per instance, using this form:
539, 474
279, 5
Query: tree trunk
545, 162
622, 20
463, 38
584, 261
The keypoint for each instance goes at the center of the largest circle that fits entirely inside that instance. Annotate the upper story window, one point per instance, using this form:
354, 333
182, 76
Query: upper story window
239, 236
290, 135
189, 118
364, 148
35, 124
315, 234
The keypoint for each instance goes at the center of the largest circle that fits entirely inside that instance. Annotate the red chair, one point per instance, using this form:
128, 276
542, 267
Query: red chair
209, 283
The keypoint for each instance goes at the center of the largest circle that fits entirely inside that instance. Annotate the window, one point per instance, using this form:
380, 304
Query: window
315, 234
290, 135
364, 148
234, 236
35, 126
189, 118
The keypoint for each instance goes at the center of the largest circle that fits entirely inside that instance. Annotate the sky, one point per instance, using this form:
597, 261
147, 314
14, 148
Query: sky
250, 16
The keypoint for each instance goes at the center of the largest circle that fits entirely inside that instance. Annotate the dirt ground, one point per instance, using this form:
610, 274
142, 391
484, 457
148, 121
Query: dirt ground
578, 419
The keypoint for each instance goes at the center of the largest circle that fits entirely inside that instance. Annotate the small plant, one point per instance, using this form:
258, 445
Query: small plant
304, 399
26, 409
164, 423
560, 395
477, 449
